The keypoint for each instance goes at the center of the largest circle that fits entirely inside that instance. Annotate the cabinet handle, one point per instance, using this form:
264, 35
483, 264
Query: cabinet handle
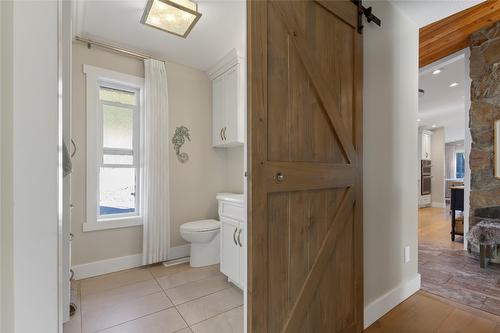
221, 134
234, 236
239, 241
224, 132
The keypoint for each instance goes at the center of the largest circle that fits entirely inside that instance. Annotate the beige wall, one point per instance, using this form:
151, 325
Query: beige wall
193, 185
438, 167
6, 218
390, 144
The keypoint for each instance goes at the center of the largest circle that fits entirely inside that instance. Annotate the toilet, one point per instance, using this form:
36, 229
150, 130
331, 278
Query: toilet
205, 241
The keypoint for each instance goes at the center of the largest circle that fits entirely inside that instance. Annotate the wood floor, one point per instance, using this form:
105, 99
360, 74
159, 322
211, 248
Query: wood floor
426, 313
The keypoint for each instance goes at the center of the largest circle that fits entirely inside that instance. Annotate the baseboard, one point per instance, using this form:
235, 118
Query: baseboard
438, 205
385, 303
111, 265
179, 252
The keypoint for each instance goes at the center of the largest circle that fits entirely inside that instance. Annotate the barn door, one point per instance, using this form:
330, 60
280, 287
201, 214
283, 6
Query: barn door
305, 140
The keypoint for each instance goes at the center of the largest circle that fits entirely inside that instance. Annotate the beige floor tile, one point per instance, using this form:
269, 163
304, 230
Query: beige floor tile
119, 295
188, 330
114, 280
190, 291
187, 275
227, 322
211, 305
105, 317
159, 270
165, 321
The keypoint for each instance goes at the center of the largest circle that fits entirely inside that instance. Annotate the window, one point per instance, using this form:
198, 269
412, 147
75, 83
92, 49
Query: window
113, 156
459, 165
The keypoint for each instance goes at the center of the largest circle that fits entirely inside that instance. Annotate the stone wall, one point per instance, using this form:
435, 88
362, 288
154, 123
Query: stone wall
485, 109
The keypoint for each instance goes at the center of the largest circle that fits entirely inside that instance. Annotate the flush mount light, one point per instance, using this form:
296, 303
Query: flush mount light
437, 71
433, 126
454, 84
419, 120
177, 17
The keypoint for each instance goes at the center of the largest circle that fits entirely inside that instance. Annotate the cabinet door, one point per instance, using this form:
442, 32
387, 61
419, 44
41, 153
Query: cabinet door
243, 256
218, 105
426, 146
231, 107
230, 251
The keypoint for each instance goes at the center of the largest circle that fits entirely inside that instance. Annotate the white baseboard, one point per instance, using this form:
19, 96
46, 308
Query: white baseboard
376, 309
179, 252
111, 265
438, 205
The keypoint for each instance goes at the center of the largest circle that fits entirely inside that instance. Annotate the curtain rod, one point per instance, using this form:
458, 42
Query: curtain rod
113, 48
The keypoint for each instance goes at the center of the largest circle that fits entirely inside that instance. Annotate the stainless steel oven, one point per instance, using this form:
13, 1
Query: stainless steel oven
425, 180
425, 167
425, 185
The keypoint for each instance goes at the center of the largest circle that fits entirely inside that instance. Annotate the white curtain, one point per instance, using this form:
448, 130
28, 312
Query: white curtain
155, 164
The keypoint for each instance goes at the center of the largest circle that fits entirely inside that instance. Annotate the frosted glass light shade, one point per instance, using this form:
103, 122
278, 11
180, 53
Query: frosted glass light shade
177, 17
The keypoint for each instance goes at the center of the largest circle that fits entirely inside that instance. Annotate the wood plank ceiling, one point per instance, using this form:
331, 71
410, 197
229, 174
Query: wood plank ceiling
451, 34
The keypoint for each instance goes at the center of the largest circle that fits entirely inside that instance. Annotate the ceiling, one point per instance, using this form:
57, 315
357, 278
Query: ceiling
442, 105
424, 12
220, 29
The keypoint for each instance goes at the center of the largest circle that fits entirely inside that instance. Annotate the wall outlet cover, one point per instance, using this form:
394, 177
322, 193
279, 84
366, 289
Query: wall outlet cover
407, 254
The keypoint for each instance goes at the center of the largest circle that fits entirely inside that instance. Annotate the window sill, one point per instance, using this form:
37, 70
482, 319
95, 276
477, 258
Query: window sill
113, 223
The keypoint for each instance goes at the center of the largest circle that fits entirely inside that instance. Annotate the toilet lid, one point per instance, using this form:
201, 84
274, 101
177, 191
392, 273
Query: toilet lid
202, 225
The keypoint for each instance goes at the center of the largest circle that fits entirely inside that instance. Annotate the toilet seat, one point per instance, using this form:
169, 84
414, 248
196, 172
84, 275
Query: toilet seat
201, 225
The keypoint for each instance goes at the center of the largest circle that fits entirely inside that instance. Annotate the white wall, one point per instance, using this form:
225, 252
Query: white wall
438, 167
390, 159
30, 158
6, 222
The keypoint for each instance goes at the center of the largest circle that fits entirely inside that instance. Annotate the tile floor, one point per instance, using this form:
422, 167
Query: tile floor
158, 299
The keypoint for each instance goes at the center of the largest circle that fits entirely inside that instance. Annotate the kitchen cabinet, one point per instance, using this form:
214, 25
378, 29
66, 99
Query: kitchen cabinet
228, 87
233, 238
426, 145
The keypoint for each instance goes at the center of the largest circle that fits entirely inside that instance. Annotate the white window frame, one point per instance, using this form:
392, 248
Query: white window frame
95, 78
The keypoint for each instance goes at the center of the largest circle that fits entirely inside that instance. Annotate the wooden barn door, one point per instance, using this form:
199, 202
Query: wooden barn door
305, 168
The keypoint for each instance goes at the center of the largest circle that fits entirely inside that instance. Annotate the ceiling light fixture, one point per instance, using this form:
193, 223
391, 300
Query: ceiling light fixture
454, 84
433, 126
437, 71
177, 17
419, 120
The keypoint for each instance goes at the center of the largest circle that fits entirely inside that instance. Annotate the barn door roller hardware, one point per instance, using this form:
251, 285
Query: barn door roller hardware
366, 12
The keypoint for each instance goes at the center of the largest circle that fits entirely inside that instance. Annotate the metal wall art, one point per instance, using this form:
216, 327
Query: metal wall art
179, 139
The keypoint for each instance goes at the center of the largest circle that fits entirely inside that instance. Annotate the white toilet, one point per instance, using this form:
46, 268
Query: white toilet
204, 236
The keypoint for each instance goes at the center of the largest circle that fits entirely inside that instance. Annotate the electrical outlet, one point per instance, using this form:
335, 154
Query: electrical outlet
407, 254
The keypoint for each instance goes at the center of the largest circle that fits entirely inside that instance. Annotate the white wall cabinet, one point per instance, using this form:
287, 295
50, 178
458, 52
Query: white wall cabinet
228, 87
426, 145
233, 229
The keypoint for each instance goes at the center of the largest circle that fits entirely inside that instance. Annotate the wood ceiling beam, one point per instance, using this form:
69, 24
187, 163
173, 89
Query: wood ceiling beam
451, 34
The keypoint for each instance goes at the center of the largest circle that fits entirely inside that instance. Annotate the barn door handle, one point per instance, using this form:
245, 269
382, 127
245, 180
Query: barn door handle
279, 177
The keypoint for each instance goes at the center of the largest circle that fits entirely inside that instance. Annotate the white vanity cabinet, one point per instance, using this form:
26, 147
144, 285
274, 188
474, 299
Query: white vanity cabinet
228, 86
233, 241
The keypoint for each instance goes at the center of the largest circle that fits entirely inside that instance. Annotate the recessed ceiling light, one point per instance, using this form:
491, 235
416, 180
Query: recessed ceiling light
454, 84
419, 120
437, 71
177, 17
433, 126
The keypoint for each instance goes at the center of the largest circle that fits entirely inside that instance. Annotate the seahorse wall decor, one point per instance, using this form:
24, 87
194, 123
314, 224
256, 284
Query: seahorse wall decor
179, 139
